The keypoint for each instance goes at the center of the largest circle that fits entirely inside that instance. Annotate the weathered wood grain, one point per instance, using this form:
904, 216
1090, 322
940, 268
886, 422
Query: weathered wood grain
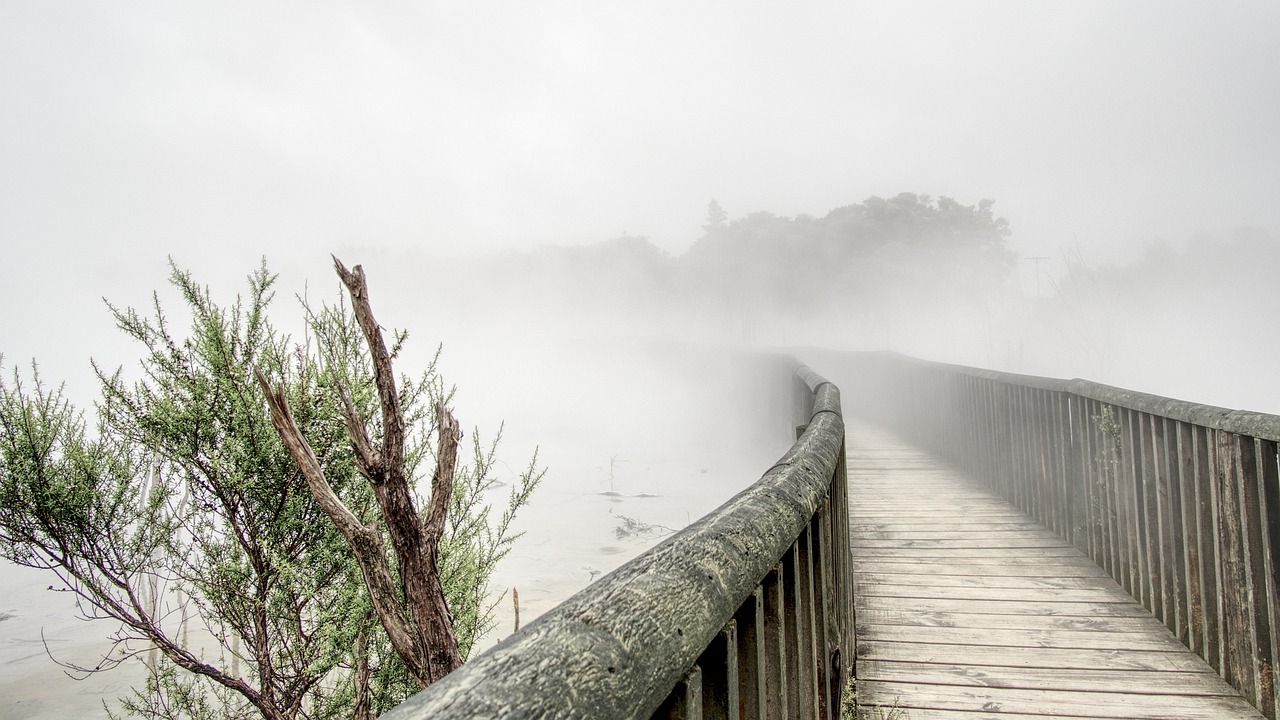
1078, 658
1147, 682
1022, 622
977, 568
1009, 607
1060, 703
966, 608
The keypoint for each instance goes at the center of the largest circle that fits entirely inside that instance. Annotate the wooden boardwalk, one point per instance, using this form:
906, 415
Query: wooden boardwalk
966, 608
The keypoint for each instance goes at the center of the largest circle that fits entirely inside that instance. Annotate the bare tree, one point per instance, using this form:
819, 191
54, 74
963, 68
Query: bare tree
414, 611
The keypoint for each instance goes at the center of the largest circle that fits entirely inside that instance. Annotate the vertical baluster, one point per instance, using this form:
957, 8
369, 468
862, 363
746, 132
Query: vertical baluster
1190, 539
1252, 517
1210, 551
1036, 440
1110, 438
1157, 518
1172, 543
1123, 490
1180, 534
1269, 512
719, 663
752, 665
844, 568
1135, 496
778, 700
1077, 476
824, 605
800, 627
1061, 423
1090, 463
1237, 627
1104, 486
685, 700
811, 596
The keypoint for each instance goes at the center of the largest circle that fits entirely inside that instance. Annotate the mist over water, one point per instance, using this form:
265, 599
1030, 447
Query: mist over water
637, 374
530, 186
640, 434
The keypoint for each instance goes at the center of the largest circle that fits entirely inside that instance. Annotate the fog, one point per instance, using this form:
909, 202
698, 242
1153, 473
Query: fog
1077, 190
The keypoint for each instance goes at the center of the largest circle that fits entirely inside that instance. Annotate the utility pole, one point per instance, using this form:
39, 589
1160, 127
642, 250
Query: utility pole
1037, 260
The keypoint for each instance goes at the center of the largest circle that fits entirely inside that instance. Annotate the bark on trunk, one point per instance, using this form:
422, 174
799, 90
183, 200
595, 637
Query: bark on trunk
418, 621
364, 704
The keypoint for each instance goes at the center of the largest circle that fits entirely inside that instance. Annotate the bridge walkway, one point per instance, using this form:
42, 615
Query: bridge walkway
967, 608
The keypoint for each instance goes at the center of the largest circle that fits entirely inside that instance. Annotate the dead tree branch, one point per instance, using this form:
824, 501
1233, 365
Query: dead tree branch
420, 625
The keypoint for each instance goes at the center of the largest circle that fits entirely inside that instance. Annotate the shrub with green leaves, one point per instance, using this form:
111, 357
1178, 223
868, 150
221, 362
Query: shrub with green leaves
176, 514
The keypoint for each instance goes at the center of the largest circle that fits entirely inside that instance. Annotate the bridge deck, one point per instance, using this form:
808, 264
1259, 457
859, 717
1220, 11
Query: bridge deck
967, 608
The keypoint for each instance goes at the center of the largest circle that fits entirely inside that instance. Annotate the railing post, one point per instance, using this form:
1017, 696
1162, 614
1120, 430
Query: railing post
719, 665
811, 675
824, 590
775, 643
752, 667
685, 702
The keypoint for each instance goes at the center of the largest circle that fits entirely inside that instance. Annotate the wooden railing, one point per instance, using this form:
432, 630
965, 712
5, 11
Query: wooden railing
1179, 502
746, 613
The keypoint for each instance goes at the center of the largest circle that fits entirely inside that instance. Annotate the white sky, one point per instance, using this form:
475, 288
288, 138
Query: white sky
223, 131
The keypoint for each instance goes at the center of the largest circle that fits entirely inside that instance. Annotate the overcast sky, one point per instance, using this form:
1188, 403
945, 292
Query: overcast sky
219, 132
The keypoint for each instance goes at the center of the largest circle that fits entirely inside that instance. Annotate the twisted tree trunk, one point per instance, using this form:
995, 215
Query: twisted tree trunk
418, 623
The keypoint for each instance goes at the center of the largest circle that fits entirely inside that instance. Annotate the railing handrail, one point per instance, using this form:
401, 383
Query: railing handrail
1242, 422
617, 648
1179, 502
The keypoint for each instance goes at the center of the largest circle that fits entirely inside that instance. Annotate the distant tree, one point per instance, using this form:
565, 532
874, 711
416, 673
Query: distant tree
716, 216
911, 241
874, 257
183, 508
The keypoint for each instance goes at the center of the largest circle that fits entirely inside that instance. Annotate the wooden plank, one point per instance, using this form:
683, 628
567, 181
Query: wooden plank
1153, 682
996, 595
889, 712
1081, 659
960, 562
886, 712
1026, 622
944, 530
1002, 607
953, 525
978, 568
1013, 542
1055, 702
1021, 637
991, 582
944, 552
948, 511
